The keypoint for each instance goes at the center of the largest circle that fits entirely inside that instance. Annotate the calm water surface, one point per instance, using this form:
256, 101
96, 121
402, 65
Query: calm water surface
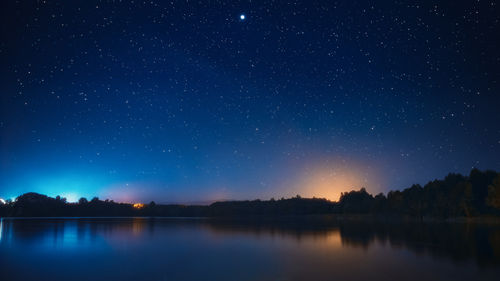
208, 249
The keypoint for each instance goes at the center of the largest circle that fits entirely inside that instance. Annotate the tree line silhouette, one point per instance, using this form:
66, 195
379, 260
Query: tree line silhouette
477, 194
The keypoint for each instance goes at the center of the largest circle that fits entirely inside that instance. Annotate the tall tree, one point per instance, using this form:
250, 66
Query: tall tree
493, 199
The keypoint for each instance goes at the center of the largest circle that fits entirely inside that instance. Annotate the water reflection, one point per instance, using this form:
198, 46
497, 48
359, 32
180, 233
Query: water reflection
215, 249
456, 241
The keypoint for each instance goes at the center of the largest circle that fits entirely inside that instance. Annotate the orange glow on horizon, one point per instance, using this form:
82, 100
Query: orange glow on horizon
138, 205
329, 181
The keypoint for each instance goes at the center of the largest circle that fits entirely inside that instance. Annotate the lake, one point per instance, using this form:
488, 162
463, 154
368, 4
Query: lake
313, 248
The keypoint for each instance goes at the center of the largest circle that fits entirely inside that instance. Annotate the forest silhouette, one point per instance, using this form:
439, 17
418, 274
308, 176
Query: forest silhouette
475, 195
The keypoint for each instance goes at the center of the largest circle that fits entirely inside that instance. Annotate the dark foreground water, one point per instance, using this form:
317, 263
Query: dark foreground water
208, 249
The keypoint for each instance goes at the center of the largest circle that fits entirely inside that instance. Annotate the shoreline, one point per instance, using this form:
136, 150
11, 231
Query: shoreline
284, 218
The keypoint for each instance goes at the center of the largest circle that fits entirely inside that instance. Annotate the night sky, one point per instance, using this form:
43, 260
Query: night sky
192, 101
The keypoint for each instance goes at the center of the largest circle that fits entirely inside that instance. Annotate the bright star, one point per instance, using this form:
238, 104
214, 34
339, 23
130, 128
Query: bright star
242, 17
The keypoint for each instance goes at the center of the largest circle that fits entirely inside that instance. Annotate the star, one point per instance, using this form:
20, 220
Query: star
242, 17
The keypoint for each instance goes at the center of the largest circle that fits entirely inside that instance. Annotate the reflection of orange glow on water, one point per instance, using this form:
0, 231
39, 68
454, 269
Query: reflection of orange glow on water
138, 226
329, 237
324, 239
333, 238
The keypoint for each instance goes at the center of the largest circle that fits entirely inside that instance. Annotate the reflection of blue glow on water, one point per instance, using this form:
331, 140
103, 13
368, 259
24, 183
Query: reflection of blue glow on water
65, 235
1, 228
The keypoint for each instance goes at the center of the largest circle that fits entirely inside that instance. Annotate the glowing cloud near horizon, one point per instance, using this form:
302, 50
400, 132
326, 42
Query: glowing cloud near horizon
71, 185
70, 197
329, 181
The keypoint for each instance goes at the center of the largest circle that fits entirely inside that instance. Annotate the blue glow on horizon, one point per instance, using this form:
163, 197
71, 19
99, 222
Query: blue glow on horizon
71, 186
66, 184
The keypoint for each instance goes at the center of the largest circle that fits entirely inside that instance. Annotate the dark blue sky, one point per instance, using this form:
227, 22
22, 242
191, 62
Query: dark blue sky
184, 101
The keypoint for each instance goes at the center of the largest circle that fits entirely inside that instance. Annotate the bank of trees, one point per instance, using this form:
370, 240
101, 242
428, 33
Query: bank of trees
455, 196
477, 194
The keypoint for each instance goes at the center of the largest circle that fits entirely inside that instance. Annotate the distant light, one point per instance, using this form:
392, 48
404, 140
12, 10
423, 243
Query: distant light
138, 205
70, 197
242, 17
2, 201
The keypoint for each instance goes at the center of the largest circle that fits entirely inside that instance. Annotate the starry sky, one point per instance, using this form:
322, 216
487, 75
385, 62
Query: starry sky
193, 101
